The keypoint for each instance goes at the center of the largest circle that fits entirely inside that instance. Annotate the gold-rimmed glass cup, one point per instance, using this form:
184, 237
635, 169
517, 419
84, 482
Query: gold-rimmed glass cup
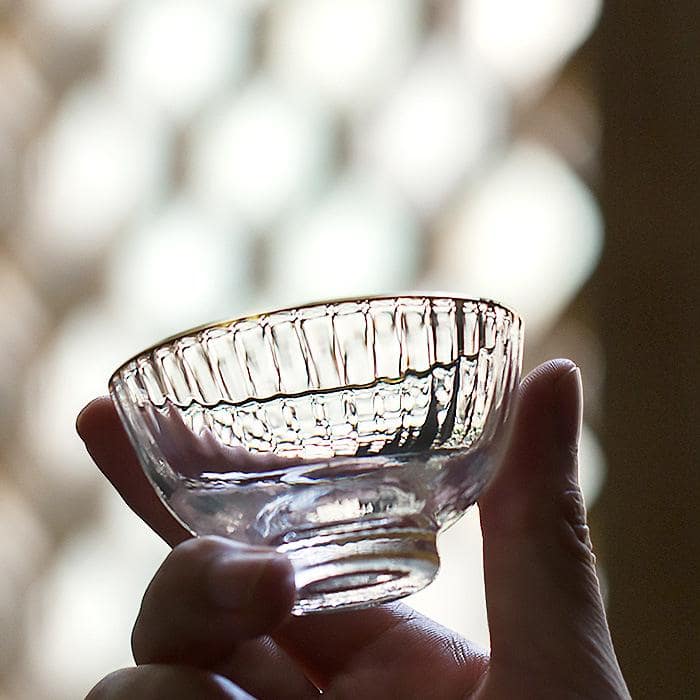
346, 434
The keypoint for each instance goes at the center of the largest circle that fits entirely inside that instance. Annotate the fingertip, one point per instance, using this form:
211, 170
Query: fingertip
549, 397
106, 441
259, 583
93, 415
277, 587
568, 414
552, 395
209, 594
538, 560
547, 415
546, 375
537, 400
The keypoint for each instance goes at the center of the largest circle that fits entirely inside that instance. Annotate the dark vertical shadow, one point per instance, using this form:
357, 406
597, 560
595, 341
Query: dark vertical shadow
648, 292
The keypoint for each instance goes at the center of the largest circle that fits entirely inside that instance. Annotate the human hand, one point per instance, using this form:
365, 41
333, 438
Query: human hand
215, 620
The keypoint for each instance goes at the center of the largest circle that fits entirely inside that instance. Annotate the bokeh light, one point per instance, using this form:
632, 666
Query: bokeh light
23, 88
526, 42
357, 240
261, 154
96, 166
530, 234
72, 369
178, 54
23, 321
177, 270
347, 51
437, 127
21, 109
91, 586
23, 555
165, 163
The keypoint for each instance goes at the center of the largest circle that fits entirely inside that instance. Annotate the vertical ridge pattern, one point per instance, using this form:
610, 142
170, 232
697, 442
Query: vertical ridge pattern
368, 376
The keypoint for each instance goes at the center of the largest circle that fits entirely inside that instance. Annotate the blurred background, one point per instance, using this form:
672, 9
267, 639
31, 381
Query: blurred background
168, 162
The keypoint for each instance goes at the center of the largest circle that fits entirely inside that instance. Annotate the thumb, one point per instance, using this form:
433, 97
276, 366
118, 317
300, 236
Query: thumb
545, 611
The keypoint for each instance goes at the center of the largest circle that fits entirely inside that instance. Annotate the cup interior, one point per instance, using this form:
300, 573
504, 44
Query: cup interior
344, 433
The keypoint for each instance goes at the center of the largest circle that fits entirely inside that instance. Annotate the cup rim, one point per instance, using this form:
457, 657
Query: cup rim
432, 295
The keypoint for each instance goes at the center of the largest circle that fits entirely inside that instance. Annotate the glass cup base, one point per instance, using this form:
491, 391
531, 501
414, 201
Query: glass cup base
359, 569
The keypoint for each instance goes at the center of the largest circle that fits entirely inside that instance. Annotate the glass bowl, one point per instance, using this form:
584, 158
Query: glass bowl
345, 433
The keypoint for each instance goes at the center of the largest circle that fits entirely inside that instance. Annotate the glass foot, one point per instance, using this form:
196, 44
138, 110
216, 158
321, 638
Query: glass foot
359, 569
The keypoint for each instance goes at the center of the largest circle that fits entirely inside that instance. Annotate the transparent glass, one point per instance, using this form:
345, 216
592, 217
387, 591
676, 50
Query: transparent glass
345, 434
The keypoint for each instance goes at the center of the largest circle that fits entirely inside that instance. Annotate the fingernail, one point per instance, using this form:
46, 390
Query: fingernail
568, 413
234, 580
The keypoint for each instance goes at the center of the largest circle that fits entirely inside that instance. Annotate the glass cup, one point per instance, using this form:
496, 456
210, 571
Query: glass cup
345, 434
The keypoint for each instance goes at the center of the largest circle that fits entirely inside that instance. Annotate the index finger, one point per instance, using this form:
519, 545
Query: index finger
107, 443
209, 594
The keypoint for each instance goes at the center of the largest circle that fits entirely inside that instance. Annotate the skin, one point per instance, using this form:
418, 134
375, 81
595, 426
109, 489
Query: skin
215, 623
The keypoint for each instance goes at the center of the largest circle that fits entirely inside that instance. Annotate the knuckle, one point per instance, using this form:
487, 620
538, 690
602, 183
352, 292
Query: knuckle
197, 551
171, 595
573, 511
573, 505
457, 652
196, 547
184, 564
572, 452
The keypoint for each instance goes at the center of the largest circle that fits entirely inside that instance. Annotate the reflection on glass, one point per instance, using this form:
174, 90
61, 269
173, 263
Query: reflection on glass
345, 434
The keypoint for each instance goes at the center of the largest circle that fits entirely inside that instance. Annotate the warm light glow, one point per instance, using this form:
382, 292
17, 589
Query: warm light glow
436, 128
360, 239
264, 152
73, 369
526, 41
175, 54
182, 269
347, 50
529, 236
93, 169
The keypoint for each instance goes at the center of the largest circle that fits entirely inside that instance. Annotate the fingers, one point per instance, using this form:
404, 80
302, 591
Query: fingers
266, 671
207, 606
386, 651
208, 595
544, 604
326, 646
171, 607
105, 439
156, 681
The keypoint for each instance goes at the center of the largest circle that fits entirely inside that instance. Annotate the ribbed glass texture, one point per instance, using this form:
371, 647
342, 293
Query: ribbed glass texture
378, 416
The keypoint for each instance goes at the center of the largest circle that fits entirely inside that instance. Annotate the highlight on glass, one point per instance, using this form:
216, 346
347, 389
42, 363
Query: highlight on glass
345, 434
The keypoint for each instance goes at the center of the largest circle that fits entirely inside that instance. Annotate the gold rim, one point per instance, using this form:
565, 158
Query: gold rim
325, 302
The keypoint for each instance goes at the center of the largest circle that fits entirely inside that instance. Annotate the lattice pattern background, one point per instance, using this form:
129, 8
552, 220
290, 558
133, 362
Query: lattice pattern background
168, 162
